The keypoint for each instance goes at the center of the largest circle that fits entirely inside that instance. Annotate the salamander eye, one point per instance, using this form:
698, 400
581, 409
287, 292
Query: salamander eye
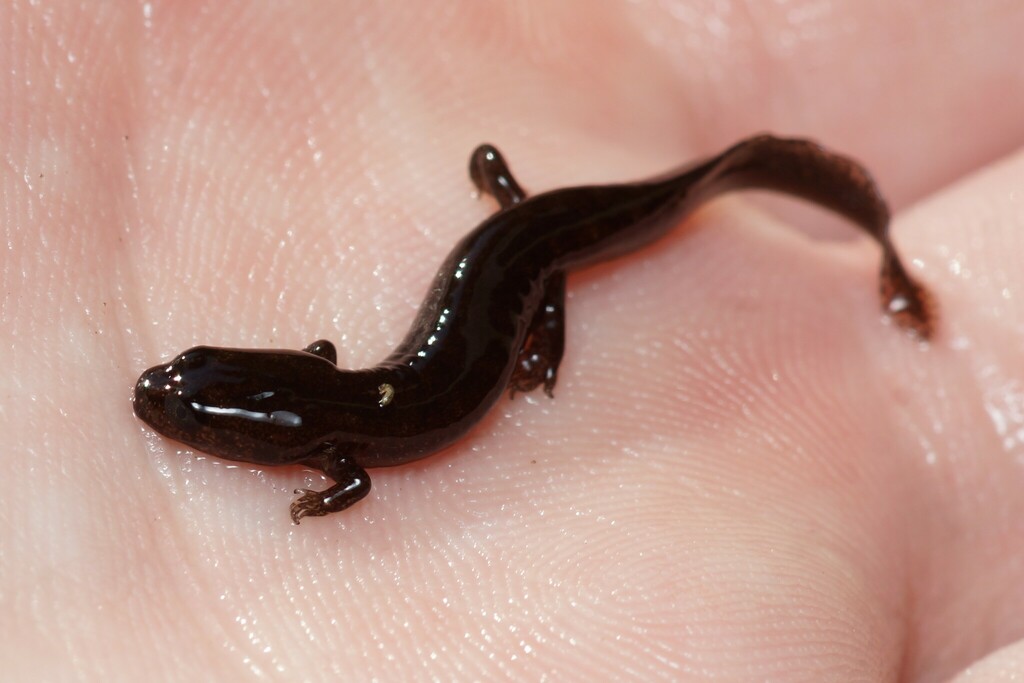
192, 360
178, 412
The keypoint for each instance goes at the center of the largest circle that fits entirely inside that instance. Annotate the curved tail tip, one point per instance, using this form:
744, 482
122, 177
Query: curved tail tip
908, 303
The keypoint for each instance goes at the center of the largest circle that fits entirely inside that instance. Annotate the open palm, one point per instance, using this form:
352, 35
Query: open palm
745, 473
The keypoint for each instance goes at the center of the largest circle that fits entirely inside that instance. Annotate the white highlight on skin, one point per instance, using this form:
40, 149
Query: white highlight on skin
283, 418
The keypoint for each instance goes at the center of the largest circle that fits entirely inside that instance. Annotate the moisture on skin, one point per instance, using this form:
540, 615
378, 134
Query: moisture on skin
493, 320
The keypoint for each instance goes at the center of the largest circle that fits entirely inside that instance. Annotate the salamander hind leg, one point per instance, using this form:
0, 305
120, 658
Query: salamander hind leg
491, 175
542, 351
538, 359
353, 483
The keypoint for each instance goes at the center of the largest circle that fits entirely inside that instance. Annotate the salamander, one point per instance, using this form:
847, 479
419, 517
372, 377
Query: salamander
493, 321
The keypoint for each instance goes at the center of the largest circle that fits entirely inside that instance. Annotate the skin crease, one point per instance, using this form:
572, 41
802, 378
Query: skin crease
745, 474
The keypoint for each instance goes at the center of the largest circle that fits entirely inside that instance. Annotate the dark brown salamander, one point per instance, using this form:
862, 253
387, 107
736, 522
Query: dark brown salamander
492, 320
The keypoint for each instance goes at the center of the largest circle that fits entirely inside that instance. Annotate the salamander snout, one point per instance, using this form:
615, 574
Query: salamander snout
161, 390
151, 392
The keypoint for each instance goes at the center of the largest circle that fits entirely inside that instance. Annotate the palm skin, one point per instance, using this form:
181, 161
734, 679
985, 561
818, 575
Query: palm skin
745, 473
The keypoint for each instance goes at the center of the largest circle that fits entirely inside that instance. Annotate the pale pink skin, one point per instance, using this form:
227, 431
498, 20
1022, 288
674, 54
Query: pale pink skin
746, 474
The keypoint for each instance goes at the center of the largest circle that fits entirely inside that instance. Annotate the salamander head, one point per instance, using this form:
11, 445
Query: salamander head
257, 406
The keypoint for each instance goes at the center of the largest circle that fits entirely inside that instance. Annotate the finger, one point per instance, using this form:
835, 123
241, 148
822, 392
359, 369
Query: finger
1002, 665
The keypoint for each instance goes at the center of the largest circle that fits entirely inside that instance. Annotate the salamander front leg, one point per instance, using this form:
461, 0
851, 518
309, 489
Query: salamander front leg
353, 485
324, 349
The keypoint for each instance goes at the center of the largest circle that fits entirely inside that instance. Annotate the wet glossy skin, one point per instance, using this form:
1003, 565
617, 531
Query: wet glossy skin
493, 319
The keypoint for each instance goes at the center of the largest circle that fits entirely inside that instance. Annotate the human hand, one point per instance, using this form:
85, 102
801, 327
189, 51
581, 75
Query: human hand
745, 474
